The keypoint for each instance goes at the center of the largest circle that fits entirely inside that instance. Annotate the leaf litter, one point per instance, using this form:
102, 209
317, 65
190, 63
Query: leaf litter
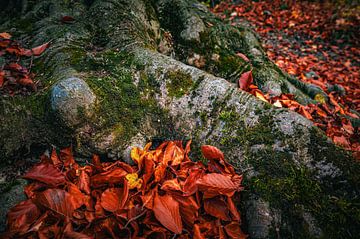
163, 195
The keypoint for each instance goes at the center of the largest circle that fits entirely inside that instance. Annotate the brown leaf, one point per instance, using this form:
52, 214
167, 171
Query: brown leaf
57, 200
217, 207
166, 211
21, 216
46, 173
233, 230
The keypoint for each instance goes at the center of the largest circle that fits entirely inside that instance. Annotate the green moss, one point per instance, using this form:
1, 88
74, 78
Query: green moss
122, 105
179, 83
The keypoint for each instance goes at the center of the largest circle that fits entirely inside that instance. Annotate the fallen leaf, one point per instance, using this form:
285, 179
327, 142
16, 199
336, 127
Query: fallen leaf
166, 211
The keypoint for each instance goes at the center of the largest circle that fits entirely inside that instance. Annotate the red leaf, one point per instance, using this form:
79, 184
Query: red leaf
190, 186
233, 230
2, 77
233, 209
57, 200
67, 19
67, 157
214, 184
55, 159
197, 232
243, 56
188, 209
217, 207
69, 233
84, 182
246, 79
149, 169
37, 51
46, 173
79, 197
26, 81
110, 199
113, 176
20, 217
113, 199
166, 211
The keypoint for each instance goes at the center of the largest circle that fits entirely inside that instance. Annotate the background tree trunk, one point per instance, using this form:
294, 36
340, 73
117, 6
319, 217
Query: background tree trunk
119, 76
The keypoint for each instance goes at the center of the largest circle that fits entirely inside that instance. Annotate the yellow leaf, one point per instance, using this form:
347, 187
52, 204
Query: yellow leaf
147, 146
260, 96
136, 154
320, 98
134, 181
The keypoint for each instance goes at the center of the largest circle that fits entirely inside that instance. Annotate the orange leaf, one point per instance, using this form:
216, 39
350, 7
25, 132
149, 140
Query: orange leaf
211, 152
214, 184
5, 35
171, 185
110, 199
166, 211
160, 172
190, 186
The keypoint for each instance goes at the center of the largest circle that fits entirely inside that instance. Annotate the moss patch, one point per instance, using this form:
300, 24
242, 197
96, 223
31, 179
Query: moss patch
179, 83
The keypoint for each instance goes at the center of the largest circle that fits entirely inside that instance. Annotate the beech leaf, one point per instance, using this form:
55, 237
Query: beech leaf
166, 211
46, 173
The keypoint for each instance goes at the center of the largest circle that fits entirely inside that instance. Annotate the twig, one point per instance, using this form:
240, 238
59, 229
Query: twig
134, 218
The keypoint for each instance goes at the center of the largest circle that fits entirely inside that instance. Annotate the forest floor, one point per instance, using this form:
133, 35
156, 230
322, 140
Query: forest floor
319, 44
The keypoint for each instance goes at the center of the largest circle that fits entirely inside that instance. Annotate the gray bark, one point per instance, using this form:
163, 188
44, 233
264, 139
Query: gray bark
115, 78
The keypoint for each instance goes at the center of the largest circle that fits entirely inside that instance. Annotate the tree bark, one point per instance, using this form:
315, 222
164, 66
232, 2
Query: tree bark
119, 75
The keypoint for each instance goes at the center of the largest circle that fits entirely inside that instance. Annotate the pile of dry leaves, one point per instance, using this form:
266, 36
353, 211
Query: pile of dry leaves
164, 195
300, 38
14, 77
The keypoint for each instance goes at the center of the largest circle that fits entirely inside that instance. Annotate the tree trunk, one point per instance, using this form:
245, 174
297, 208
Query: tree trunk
119, 76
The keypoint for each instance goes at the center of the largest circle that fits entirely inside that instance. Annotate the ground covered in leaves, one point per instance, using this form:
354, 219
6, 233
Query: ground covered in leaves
319, 44
163, 195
